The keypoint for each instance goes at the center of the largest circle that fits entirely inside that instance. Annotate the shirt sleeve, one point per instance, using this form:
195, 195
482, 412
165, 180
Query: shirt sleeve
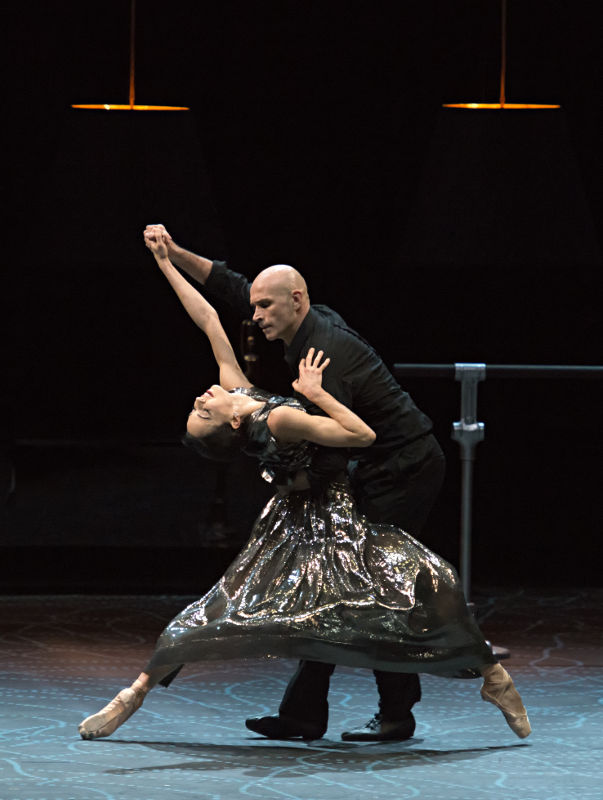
230, 287
338, 377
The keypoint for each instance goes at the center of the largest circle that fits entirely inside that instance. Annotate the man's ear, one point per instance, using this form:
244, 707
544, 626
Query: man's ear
296, 296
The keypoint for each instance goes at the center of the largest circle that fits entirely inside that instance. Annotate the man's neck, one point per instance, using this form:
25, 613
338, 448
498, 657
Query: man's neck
293, 331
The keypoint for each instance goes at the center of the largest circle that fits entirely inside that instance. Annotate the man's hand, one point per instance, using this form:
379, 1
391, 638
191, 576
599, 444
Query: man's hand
309, 382
153, 232
156, 239
196, 266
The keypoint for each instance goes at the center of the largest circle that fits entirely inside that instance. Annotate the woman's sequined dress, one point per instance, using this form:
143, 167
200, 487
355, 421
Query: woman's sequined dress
318, 581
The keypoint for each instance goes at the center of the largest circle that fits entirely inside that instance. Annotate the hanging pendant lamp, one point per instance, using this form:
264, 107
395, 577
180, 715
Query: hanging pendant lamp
502, 102
131, 105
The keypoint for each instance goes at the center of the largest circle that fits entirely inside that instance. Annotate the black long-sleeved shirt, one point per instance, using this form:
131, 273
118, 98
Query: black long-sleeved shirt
356, 376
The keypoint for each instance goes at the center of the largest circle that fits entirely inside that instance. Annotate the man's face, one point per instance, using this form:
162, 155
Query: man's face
274, 309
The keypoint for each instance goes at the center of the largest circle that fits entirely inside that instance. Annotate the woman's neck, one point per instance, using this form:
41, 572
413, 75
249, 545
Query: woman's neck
245, 405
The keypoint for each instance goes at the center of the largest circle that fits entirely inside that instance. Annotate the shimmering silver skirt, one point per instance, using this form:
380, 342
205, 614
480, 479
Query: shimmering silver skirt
317, 581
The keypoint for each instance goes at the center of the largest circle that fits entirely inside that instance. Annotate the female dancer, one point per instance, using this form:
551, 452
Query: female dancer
316, 580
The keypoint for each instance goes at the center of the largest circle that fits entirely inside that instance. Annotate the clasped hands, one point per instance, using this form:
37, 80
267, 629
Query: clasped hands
157, 239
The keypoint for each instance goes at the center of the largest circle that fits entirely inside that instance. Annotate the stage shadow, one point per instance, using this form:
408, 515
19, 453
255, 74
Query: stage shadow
294, 761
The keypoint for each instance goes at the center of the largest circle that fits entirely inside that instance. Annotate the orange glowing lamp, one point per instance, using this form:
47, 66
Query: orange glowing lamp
502, 103
131, 105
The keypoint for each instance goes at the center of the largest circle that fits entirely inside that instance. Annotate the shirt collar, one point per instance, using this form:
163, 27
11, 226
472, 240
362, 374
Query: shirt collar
293, 351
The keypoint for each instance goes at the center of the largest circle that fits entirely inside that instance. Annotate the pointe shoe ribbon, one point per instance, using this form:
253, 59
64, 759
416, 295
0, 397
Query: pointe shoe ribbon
500, 690
114, 714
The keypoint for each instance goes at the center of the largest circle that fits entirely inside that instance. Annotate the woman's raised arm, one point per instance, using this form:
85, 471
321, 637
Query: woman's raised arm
203, 315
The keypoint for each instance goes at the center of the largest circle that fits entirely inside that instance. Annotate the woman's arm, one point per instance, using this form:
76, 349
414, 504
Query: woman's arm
196, 266
203, 315
342, 428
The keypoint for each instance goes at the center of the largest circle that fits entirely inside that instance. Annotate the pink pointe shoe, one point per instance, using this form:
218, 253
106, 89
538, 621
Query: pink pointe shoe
114, 714
500, 690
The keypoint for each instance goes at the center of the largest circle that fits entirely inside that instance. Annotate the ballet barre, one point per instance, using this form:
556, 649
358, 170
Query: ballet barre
468, 432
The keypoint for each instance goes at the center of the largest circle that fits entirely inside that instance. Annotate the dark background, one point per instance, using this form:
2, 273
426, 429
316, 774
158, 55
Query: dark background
315, 137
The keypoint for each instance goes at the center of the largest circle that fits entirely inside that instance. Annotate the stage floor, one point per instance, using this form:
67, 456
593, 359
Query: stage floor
63, 657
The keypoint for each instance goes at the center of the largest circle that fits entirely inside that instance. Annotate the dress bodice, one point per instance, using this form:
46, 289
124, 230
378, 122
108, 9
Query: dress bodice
278, 460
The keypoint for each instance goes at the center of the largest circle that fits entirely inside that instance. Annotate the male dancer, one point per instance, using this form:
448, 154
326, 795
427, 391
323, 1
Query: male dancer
395, 481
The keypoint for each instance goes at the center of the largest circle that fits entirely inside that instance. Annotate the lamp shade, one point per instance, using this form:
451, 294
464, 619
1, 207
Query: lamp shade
500, 188
113, 174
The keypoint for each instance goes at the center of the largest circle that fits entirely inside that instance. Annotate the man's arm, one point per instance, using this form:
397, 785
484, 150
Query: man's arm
220, 282
196, 266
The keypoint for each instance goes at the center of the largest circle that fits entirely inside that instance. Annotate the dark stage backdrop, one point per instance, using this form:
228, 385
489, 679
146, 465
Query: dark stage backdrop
309, 140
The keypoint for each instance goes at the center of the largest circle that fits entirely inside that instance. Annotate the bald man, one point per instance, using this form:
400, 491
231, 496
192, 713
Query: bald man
395, 481
280, 298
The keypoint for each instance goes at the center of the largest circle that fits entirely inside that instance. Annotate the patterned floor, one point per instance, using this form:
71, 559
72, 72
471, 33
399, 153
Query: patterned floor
63, 657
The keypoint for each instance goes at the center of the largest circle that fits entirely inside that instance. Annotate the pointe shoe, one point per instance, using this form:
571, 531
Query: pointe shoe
114, 714
500, 690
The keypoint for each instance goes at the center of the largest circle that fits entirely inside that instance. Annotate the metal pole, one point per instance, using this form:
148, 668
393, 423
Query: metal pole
503, 51
466, 521
468, 432
131, 94
571, 372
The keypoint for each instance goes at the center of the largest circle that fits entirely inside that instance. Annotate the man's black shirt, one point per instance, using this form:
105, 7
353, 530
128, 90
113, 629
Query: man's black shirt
356, 376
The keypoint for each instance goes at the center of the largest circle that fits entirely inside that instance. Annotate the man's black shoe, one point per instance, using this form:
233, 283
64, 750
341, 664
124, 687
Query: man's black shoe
380, 730
284, 728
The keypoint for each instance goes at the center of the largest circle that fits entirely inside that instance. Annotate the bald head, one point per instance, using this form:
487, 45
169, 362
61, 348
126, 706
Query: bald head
280, 296
281, 277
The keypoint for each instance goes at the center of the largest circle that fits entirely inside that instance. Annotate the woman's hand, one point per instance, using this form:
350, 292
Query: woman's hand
309, 382
152, 232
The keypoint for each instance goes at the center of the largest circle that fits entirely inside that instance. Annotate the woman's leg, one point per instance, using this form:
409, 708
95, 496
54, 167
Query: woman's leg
498, 688
121, 708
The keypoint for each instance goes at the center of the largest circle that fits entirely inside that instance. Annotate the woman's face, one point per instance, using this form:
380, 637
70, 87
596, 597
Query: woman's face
210, 411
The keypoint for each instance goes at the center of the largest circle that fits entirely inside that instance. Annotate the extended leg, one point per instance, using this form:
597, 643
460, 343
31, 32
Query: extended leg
121, 708
499, 689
